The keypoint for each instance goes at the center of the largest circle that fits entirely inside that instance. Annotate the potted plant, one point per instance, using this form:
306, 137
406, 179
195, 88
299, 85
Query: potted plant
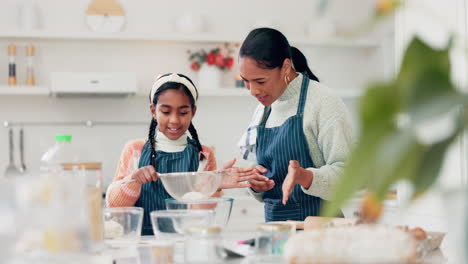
395, 117
209, 65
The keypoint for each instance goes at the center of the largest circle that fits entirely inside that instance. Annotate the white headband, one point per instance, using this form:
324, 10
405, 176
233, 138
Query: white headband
174, 77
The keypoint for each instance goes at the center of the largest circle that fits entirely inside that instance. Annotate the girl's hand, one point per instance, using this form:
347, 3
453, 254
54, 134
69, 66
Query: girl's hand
296, 175
235, 176
145, 174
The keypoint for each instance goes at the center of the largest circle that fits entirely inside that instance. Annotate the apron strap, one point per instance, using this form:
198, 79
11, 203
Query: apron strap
303, 96
266, 114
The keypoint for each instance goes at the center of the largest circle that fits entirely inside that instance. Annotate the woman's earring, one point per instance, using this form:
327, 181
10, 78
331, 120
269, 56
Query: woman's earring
287, 80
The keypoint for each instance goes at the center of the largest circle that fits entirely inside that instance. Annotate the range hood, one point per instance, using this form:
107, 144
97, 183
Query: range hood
93, 84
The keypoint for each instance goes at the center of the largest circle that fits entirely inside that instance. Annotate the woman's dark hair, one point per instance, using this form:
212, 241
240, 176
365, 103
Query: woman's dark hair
152, 129
269, 48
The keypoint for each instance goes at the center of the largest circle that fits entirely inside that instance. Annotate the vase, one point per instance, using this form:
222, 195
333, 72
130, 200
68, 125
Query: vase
209, 78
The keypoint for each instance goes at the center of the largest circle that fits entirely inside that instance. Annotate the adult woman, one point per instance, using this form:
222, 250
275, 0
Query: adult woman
300, 133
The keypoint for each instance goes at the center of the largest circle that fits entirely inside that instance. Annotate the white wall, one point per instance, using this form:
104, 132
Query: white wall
220, 120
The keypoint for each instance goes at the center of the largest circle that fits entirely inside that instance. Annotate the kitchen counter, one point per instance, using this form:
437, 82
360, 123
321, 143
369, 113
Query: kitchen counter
141, 254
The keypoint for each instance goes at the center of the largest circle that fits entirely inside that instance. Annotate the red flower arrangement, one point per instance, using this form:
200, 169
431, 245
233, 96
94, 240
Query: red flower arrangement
219, 57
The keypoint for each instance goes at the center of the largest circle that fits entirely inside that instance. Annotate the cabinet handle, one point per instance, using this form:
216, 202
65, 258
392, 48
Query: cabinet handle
244, 211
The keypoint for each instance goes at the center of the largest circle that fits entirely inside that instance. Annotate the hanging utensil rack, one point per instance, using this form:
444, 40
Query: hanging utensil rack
87, 123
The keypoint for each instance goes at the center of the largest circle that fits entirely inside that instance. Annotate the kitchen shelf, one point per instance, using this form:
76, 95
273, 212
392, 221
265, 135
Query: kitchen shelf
224, 91
23, 90
39, 90
176, 37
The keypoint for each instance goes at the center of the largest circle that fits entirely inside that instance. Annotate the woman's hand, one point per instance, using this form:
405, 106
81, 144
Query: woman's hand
145, 174
260, 183
296, 175
235, 176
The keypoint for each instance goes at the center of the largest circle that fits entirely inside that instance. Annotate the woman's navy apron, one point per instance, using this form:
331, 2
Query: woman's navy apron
276, 146
153, 194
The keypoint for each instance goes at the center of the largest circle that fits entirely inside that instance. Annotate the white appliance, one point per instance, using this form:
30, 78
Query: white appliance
92, 84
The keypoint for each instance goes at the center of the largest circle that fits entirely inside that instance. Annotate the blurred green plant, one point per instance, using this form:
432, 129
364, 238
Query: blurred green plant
394, 117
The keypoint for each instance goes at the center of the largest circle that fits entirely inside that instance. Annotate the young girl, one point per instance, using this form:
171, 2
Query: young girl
167, 149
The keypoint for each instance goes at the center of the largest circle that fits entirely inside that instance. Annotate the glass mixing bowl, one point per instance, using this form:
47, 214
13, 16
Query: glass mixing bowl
122, 225
221, 206
192, 186
173, 223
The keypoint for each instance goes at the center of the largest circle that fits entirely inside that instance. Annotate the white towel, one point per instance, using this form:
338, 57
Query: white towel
248, 141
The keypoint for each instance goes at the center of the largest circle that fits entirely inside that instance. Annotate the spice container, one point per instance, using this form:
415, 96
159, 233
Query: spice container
271, 238
203, 245
11, 65
29, 65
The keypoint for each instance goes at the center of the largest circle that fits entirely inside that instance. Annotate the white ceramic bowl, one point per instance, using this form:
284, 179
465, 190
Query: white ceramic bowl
192, 186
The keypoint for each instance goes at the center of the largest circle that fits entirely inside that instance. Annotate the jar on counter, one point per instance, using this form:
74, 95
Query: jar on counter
162, 252
271, 238
203, 245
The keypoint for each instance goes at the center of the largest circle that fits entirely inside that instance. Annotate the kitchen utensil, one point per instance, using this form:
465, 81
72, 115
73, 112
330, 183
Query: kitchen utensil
221, 207
125, 181
317, 222
22, 167
11, 169
192, 186
122, 225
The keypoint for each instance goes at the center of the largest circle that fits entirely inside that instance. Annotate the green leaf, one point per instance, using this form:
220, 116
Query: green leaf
378, 107
397, 159
429, 168
432, 159
420, 58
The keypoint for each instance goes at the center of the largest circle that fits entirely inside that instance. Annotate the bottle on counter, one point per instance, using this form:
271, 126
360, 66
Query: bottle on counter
64, 158
12, 65
30, 81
